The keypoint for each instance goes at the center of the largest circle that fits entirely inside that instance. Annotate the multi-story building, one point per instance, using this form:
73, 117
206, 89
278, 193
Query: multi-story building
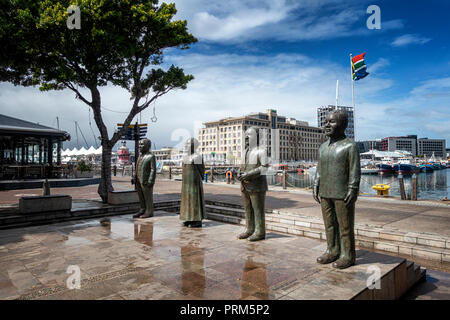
368, 145
322, 113
163, 153
428, 147
406, 143
287, 139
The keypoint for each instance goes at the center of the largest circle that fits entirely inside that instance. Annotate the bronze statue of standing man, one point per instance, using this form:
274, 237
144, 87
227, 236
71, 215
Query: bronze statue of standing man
145, 179
192, 208
336, 188
254, 186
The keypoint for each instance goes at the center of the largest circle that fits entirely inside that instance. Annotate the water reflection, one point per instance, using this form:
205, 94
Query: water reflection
143, 233
256, 274
193, 277
76, 241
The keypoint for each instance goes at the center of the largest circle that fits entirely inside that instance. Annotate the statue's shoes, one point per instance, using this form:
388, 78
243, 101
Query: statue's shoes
343, 263
245, 235
137, 215
186, 223
327, 258
146, 215
257, 237
195, 224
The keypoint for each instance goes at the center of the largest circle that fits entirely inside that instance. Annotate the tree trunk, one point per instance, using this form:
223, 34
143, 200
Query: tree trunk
105, 184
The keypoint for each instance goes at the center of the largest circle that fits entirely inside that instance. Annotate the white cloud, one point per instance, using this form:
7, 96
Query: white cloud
380, 64
211, 27
433, 88
233, 85
423, 112
238, 21
224, 85
409, 39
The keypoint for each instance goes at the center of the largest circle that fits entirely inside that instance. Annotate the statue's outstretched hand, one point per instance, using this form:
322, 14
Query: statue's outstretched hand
316, 194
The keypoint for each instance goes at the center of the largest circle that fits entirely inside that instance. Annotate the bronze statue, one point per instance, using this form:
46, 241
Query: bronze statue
145, 179
192, 208
336, 188
253, 186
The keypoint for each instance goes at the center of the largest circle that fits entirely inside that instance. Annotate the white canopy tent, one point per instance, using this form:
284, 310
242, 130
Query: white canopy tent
91, 150
82, 152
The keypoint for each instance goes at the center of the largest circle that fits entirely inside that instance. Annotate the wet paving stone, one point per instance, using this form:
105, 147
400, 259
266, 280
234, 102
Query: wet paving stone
158, 258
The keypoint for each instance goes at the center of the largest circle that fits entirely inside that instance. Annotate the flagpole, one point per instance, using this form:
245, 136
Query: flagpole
337, 92
353, 96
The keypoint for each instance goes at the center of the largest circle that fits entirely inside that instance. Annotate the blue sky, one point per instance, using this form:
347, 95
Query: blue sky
287, 55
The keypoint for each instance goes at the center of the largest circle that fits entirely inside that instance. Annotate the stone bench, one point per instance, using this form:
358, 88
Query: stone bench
35, 204
123, 197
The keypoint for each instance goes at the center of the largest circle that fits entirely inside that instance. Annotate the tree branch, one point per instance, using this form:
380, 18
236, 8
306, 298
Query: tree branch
79, 95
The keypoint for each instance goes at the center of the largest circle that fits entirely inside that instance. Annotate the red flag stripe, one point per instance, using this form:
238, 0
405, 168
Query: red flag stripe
355, 59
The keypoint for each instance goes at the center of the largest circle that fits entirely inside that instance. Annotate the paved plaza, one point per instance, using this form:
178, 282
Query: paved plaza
157, 258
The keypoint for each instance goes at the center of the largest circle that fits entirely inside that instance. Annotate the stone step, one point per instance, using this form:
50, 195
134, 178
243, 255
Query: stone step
230, 205
17, 221
430, 240
415, 274
224, 218
413, 250
224, 204
235, 212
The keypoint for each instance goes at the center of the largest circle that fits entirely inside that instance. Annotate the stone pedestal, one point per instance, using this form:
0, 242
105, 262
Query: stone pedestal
123, 197
37, 204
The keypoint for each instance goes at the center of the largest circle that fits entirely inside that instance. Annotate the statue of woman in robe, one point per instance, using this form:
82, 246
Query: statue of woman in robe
192, 209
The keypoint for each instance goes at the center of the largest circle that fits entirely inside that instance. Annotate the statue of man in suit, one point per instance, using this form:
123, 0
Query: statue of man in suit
254, 186
145, 179
336, 188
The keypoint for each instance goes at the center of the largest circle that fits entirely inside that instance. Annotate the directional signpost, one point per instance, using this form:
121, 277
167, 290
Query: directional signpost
134, 132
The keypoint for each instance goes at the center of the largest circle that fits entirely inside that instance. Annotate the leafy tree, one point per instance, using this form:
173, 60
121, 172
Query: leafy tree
120, 42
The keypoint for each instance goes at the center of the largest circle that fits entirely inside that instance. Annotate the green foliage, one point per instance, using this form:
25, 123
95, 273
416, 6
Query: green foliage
121, 42
117, 43
82, 166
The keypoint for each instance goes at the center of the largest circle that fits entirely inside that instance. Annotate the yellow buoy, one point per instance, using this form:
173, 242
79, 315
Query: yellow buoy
382, 189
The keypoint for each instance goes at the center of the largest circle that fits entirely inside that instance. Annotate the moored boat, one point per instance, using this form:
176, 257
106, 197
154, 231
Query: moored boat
426, 168
403, 168
435, 165
385, 168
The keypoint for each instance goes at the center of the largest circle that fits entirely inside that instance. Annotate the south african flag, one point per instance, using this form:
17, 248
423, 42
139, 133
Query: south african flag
359, 68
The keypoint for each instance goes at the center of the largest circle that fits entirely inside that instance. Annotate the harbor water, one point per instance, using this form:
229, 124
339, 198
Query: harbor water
431, 185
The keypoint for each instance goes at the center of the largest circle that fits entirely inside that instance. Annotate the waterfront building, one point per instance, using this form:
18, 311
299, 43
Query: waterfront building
428, 147
29, 150
322, 114
163, 153
405, 143
287, 139
367, 145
